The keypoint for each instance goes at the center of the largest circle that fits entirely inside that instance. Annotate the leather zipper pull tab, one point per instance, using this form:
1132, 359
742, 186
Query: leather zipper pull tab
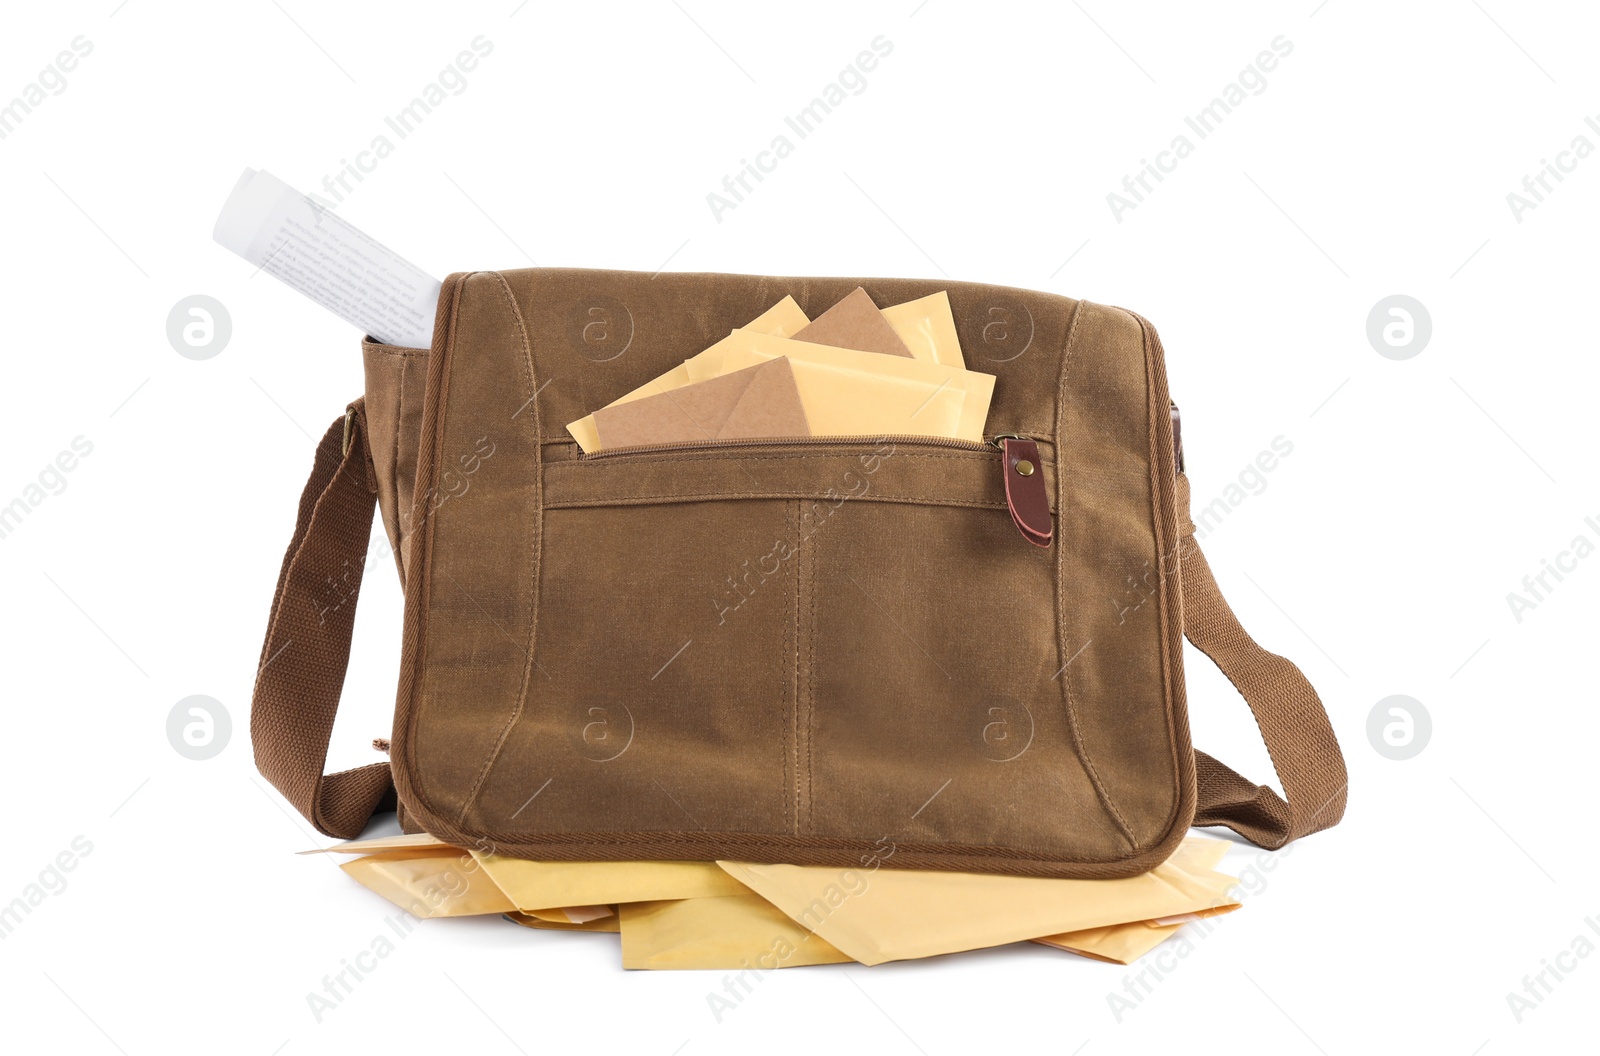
1026, 496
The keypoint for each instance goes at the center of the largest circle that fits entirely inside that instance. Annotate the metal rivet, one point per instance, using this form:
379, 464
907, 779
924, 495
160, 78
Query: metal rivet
1024, 467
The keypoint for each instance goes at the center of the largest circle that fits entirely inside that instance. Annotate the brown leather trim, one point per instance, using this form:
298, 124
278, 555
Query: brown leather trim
1027, 491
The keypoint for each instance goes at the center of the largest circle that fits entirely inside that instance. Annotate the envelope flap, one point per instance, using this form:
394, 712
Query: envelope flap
761, 400
855, 322
770, 406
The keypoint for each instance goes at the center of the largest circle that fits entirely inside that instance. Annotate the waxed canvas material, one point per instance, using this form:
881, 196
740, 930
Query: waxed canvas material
395, 378
822, 653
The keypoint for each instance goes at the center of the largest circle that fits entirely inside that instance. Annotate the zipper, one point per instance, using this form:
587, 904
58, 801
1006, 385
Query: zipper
1022, 470
991, 444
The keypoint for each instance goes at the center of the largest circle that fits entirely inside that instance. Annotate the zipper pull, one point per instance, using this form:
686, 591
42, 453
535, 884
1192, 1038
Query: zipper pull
1025, 490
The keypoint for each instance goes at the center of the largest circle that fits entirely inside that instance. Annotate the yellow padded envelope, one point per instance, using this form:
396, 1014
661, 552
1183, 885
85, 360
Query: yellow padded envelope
928, 329
732, 931
838, 403
1114, 943
610, 925
1126, 943
541, 885
430, 883
420, 842
570, 914
878, 915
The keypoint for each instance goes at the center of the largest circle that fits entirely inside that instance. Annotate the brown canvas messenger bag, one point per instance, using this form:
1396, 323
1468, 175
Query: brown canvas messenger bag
820, 651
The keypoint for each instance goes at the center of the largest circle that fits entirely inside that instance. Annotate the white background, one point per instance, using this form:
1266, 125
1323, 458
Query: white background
1419, 493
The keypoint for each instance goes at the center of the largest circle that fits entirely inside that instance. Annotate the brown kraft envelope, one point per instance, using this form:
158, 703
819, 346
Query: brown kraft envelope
758, 401
854, 322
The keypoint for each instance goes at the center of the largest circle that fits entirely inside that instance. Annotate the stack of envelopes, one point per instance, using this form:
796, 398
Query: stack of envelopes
748, 915
853, 371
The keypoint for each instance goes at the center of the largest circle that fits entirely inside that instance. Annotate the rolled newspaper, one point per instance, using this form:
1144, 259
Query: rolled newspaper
302, 243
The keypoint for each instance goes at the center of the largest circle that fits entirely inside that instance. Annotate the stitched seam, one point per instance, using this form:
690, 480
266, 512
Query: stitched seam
533, 574
699, 838
1160, 465
413, 674
799, 699
811, 685
399, 413
786, 726
1074, 729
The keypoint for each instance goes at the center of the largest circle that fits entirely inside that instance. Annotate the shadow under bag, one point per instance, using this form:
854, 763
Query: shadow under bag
819, 651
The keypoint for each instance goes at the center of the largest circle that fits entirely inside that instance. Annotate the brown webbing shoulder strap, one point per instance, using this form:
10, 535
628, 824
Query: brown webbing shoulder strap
1293, 723
307, 651
307, 648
